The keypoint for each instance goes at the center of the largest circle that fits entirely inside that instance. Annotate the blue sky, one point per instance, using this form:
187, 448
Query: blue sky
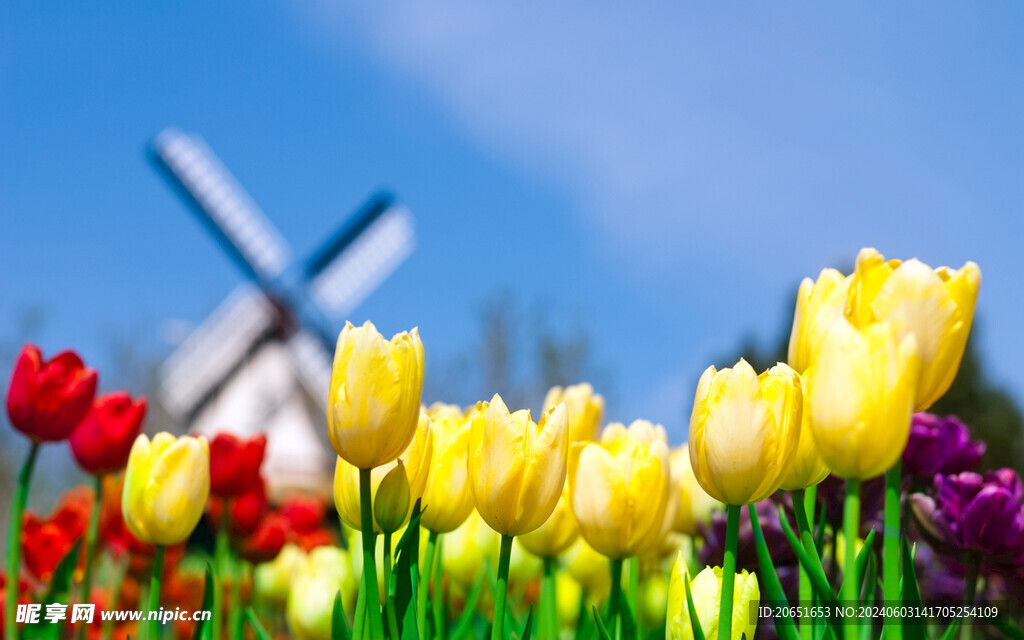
662, 175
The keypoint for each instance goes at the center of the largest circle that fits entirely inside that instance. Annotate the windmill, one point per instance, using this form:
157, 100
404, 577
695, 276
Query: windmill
261, 362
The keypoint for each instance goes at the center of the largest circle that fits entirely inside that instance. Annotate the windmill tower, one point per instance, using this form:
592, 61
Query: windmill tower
261, 362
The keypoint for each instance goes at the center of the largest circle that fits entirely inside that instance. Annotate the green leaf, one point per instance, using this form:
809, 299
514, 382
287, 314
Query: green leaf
465, 623
773, 588
528, 629
910, 593
603, 630
866, 551
819, 538
812, 565
203, 627
408, 551
339, 623
250, 617
954, 626
409, 629
698, 633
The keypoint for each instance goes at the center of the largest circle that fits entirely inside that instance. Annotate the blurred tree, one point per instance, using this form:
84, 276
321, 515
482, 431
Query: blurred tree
520, 353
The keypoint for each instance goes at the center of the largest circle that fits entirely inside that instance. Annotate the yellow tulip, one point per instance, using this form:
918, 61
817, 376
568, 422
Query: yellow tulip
516, 466
374, 400
466, 548
273, 579
325, 572
557, 533
861, 396
166, 485
585, 409
414, 462
619, 488
807, 467
589, 568
695, 505
744, 431
448, 498
706, 591
936, 306
817, 304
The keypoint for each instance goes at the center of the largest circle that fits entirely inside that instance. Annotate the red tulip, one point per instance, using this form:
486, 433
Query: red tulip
235, 464
265, 543
304, 514
103, 440
47, 400
44, 544
247, 510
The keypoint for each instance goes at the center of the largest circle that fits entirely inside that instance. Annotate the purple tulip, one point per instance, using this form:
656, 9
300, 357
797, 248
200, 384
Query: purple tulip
940, 445
974, 513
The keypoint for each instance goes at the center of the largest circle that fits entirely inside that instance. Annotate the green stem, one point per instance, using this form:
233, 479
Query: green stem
806, 591
634, 592
424, 585
220, 551
851, 524
498, 627
121, 567
389, 598
970, 587
154, 590
549, 601
615, 599
235, 607
90, 544
437, 602
369, 560
14, 542
728, 572
806, 594
891, 550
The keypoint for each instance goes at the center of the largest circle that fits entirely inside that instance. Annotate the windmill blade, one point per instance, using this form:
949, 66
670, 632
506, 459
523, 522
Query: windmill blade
222, 203
360, 256
209, 355
313, 361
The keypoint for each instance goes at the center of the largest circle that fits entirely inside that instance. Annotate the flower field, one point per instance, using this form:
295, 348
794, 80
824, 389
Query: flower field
817, 499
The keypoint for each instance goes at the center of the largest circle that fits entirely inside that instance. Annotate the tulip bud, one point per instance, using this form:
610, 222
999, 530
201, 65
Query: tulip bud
557, 533
415, 465
744, 431
584, 407
266, 541
516, 467
448, 498
235, 463
166, 485
466, 548
695, 505
47, 400
391, 503
706, 590
619, 488
102, 441
861, 395
374, 401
